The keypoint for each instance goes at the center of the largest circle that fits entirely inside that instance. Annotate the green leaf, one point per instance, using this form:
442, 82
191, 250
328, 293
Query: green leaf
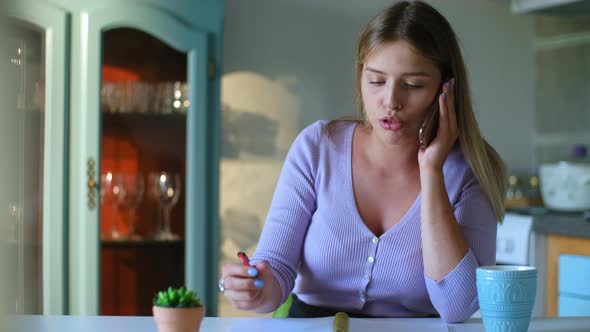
176, 298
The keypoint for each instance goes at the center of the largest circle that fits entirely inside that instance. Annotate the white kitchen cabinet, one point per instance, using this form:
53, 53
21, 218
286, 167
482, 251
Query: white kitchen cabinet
562, 65
550, 6
34, 193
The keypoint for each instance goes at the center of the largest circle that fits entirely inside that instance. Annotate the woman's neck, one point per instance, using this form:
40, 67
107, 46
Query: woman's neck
389, 160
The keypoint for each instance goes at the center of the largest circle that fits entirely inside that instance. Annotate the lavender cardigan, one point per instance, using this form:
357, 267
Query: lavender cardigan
319, 248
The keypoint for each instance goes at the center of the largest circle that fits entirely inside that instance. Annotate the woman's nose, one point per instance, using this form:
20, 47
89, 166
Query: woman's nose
393, 100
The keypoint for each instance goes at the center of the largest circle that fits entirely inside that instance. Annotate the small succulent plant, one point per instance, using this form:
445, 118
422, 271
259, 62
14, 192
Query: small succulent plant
176, 298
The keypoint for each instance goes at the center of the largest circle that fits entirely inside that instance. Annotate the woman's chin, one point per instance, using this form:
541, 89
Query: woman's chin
398, 139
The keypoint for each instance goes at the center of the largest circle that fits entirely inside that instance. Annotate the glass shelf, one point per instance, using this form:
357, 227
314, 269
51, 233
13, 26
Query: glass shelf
138, 243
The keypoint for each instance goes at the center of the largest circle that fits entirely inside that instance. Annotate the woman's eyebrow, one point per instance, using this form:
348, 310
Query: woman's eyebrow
417, 73
375, 70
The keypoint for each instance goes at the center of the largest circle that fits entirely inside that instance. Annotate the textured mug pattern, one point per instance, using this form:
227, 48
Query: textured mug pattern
506, 298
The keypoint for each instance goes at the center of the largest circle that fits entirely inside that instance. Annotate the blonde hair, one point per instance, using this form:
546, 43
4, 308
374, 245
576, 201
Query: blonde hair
431, 34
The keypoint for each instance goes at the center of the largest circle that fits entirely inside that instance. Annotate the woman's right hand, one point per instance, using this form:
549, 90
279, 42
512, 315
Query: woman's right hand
251, 287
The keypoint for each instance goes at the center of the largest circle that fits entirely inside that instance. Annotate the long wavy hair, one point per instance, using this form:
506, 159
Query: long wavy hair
431, 34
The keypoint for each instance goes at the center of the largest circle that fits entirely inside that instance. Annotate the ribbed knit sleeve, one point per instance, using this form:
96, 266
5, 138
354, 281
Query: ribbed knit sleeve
292, 207
455, 295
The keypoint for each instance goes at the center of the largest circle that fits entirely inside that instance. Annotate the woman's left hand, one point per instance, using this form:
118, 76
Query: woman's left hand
435, 154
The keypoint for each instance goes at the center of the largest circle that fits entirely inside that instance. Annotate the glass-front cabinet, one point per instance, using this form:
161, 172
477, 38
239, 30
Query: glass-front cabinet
144, 111
33, 196
140, 160
141, 102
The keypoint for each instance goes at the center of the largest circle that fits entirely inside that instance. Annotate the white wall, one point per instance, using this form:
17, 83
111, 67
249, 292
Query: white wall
307, 47
497, 47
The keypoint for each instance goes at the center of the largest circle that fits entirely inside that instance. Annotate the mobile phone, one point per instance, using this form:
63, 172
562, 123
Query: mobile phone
429, 127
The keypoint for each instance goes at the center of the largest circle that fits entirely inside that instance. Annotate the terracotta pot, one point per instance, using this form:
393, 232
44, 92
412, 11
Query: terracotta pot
178, 319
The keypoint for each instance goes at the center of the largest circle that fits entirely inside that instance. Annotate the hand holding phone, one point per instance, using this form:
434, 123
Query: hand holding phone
429, 127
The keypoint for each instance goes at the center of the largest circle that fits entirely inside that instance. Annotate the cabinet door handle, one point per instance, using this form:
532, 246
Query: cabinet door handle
92, 183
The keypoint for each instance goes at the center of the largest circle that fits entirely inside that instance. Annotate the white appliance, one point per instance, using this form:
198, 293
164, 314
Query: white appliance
565, 186
517, 244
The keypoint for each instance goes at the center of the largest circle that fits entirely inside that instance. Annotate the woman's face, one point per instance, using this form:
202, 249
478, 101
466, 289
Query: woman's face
398, 86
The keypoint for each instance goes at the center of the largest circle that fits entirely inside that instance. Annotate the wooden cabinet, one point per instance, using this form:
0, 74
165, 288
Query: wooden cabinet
156, 41
568, 260
131, 271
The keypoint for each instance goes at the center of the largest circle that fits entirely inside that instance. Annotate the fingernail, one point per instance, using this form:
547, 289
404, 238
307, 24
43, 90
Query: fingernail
453, 81
447, 85
444, 95
252, 272
258, 283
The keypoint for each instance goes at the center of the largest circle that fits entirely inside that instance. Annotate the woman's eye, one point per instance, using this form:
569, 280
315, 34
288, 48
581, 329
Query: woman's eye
377, 83
411, 86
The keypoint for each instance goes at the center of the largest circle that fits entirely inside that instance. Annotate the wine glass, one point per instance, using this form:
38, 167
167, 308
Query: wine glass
165, 187
108, 193
129, 196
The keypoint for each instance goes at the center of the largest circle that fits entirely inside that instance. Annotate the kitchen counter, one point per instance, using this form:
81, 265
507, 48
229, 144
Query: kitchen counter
146, 324
556, 223
567, 224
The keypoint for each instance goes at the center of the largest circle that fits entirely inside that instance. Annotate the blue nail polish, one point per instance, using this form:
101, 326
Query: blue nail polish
252, 272
444, 95
447, 85
258, 283
453, 81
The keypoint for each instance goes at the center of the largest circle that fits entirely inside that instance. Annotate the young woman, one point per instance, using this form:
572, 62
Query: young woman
368, 216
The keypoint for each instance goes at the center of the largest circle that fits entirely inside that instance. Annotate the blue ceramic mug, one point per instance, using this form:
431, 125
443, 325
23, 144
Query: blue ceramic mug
506, 296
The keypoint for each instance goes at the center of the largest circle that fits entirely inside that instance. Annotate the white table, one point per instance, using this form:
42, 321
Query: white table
214, 324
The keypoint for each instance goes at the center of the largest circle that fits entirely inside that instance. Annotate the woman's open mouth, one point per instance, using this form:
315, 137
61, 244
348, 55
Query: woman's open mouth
388, 123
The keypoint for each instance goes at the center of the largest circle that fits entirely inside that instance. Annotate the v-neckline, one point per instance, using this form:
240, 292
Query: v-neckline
403, 219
